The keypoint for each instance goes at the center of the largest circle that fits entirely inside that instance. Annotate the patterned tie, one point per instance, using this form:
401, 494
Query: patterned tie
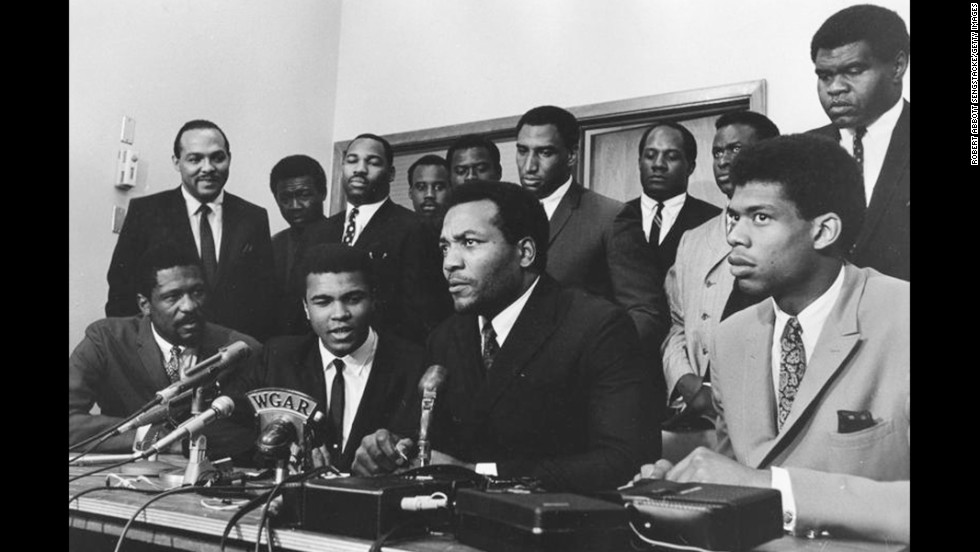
859, 133
490, 346
173, 365
657, 222
337, 408
349, 231
208, 256
792, 365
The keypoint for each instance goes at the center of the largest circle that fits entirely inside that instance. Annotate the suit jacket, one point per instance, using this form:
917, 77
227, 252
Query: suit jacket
697, 286
694, 213
597, 244
294, 362
848, 484
288, 249
119, 366
885, 240
568, 400
412, 294
241, 297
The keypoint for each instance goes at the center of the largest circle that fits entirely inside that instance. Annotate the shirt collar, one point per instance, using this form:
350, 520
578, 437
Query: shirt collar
357, 361
674, 203
884, 125
193, 204
505, 319
366, 210
551, 202
812, 317
165, 345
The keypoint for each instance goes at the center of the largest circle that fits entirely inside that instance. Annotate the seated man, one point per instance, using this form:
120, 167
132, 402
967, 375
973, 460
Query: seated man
123, 362
555, 388
812, 386
361, 377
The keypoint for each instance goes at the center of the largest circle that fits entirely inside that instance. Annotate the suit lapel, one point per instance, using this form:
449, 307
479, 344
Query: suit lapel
178, 212
376, 224
564, 210
230, 230
839, 337
718, 250
150, 356
760, 412
896, 161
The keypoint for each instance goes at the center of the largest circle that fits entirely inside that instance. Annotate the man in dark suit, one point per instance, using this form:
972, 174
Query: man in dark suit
596, 243
667, 155
473, 157
555, 388
299, 186
229, 235
860, 55
429, 187
361, 378
122, 362
411, 292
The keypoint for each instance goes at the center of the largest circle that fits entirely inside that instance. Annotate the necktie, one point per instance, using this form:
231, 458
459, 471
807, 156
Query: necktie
173, 365
490, 346
657, 222
349, 231
859, 147
337, 408
208, 256
792, 365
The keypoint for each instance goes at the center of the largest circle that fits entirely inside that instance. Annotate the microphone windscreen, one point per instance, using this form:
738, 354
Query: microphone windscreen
433, 378
223, 406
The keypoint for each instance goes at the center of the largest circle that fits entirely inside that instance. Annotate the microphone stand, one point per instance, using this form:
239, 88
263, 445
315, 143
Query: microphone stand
197, 463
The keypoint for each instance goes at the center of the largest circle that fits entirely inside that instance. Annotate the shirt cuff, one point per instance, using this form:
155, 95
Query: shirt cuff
781, 482
486, 468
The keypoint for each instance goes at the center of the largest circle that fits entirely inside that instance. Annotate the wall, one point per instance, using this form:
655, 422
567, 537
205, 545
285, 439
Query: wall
445, 62
263, 71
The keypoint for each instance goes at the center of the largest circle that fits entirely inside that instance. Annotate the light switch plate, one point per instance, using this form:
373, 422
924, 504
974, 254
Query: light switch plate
128, 130
118, 216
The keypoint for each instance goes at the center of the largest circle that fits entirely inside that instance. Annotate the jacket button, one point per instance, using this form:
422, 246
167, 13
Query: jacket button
709, 283
704, 316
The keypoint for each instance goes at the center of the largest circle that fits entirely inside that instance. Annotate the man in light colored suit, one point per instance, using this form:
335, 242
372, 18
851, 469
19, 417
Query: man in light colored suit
596, 242
812, 387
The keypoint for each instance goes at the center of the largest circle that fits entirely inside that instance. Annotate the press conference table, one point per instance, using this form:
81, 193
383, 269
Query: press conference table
181, 522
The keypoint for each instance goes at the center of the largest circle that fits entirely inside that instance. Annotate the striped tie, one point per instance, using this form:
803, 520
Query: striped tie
658, 220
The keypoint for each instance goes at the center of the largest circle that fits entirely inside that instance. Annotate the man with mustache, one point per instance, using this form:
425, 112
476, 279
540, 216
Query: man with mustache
812, 385
860, 55
543, 381
123, 361
229, 235
410, 299
429, 188
667, 156
362, 377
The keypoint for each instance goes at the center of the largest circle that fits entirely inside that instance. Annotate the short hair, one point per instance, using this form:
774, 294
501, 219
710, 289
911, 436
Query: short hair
763, 126
565, 122
326, 258
472, 141
884, 30
298, 166
519, 213
161, 256
689, 144
426, 161
198, 124
815, 173
389, 153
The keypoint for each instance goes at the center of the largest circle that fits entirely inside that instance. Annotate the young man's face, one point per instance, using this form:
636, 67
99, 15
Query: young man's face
430, 190
299, 201
339, 307
367, 176
544, 161
473, 164
664, 169
728, 142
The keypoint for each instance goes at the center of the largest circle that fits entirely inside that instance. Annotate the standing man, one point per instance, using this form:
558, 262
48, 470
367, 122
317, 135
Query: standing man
543, 381
595, 243
860, 55
473, 157
124, 361
229, 235
409, 282
667, 157
429, 188
362, 377
299, 186
811, 386
701, 290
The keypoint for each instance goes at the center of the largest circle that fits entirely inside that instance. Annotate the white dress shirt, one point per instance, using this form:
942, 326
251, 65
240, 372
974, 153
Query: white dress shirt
812, 320
551, 202
357, 369
214, 219
364, 214
668, 215
188, 355
875, 142
503, 323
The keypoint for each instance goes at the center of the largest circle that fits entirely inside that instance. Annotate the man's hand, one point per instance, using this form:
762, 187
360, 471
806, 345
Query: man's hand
320, 456
381, 452
654, 471
706, 466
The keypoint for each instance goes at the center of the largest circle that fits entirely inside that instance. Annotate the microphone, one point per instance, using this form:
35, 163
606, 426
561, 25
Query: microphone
429, 385
276, 438
222, 407
202, 371
154, 415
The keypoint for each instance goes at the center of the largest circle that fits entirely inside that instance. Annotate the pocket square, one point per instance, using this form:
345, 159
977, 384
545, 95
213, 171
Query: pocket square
849, 421
246, 249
